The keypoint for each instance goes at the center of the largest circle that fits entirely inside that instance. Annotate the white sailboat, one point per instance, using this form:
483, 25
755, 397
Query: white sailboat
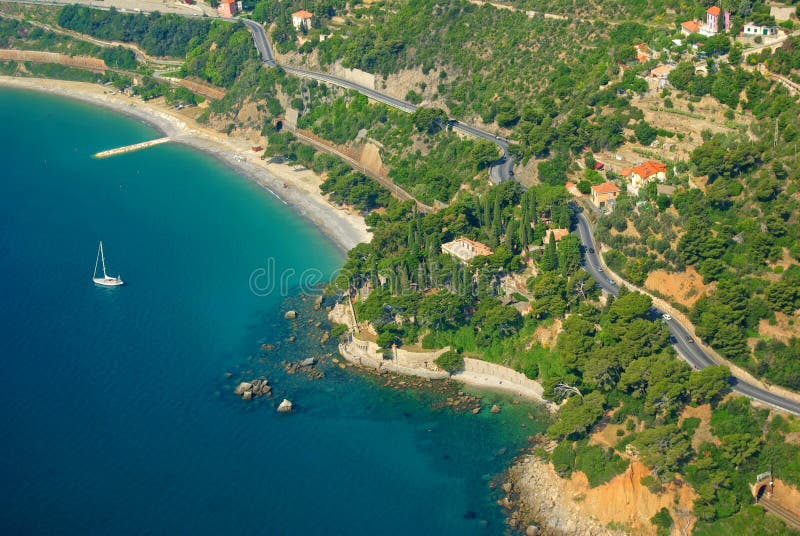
106, 281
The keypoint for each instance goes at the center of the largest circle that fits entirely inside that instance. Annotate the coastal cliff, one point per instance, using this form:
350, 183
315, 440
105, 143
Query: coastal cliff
536, 494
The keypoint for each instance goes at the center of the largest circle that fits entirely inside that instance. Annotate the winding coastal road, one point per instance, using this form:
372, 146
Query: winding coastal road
683, 341
500, 170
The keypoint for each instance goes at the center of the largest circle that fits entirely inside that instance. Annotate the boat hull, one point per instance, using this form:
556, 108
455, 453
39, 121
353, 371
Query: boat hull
108, 281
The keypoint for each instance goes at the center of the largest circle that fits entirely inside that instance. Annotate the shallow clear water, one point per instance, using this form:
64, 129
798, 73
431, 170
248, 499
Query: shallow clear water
116, 411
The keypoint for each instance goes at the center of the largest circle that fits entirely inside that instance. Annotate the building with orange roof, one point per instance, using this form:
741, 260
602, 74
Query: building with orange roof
643, 52
604, 196
645, 173
715, 16
227, 8
661, 72
465, 249
302, 19
690, 27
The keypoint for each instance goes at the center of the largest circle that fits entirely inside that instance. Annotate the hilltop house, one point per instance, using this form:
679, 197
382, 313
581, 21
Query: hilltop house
645, 173
302, 19
228, 8
714, 16
605, 195
465, 249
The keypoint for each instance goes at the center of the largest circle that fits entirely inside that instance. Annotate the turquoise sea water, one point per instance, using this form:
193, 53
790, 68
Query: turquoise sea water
115, 409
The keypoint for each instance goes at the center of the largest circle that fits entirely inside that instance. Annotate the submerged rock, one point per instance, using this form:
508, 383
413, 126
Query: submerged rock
285, 406
290, 314
495, 409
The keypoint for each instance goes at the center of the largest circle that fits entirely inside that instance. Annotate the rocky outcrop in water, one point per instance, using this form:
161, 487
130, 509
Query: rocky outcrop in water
253, 389
306, 366
290, 315
285, 406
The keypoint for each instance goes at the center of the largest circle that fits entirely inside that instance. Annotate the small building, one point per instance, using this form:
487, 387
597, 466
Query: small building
302, 19
465, 249
689, 27
572, 189
227, 8
605, 195
660, 72
645, 173
751, 29
558, 234
643, 52
598, 166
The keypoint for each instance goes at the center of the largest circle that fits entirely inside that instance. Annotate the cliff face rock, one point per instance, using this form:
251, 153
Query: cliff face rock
570, 506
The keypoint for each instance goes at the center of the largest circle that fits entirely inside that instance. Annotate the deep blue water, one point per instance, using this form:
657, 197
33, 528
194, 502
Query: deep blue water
116, 412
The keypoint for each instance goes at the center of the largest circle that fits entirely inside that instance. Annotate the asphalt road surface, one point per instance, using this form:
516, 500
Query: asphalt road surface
500, 170
683, 341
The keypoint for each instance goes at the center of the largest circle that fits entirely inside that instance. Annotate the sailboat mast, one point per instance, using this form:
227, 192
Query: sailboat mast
97, 260
103, 257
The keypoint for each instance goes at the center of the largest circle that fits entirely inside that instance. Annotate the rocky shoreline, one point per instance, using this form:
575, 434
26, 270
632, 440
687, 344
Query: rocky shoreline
535, 504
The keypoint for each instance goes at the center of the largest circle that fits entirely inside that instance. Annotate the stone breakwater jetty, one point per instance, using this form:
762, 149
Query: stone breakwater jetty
133, 147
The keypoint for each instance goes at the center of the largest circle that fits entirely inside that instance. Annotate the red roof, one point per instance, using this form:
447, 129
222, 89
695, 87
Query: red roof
649, 168
598, 166
605, 188
302, 14
691, 26
713, 10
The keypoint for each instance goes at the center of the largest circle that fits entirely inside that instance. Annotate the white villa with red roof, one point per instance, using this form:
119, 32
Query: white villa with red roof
302, 19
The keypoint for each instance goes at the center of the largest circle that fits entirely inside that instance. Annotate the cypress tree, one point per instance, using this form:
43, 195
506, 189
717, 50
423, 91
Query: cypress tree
549, 262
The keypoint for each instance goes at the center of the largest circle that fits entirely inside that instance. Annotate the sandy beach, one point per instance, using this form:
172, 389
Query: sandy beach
295, 186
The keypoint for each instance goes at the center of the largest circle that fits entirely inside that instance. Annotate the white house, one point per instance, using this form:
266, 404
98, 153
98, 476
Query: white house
753, 29
302, 19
